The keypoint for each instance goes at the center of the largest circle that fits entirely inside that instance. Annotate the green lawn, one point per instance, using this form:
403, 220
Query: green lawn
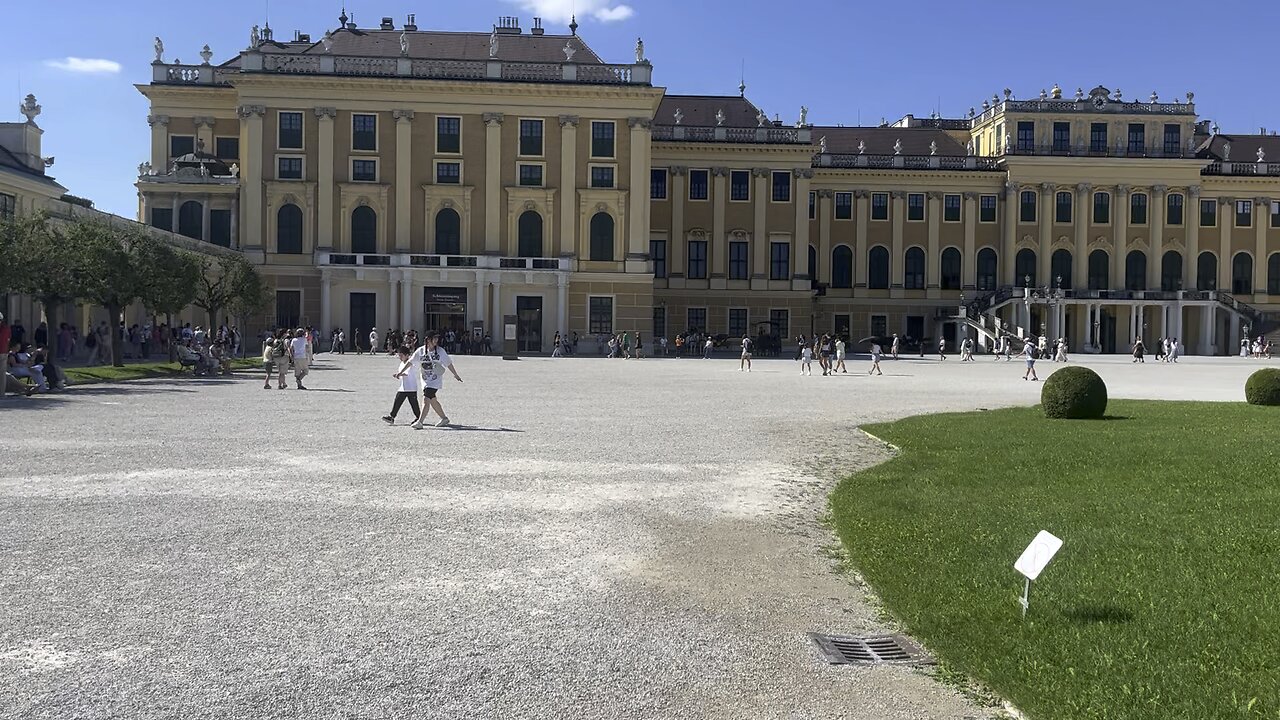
138, 371
1164, 601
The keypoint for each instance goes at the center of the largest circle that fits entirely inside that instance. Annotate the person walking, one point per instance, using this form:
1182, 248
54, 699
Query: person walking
706, 348
409, 382
875, 357
806, 360
895, 346
745, 363
300, 351
840, 347
1138, 350
373, 341
639, 346
268, 360
1172, 354
431, 361
942, 348
1029, 353
555, 346
1061, 354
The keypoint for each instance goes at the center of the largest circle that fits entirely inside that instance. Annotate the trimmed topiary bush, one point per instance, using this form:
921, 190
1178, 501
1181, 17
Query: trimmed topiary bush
1263, 387
1074, 392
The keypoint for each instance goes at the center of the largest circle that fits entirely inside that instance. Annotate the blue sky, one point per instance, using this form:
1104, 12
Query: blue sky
850, 62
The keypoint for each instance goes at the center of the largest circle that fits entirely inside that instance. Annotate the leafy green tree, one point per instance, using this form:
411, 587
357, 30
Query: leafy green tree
170, 281
115, 273
229, 283
50, 266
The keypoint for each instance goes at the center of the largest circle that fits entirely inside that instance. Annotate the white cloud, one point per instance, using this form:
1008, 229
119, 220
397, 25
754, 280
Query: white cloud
92, 66
560, 11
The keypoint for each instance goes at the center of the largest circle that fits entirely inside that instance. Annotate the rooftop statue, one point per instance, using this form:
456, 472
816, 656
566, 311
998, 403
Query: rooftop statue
159, 46
569, 51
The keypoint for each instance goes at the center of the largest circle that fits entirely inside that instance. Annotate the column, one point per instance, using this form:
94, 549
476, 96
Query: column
493, 183
719, 245
1010, 220
1261, 219
1133, 322
393, 298
1191, 262
1204, 344
159, 143
862, 214
824, 235
235, 222
406, 299
205, 213
970, 279
897, 216
404, 178
1156, 211
638, 195
800, 238
760, 228
324, 178
252, 173
1119, 239
675, 239
1045, 214
481, 292
177, 204
496, 309
1226, 221
1234, 347
1080, 256
325, 318
566, 241
933, 261
562, 304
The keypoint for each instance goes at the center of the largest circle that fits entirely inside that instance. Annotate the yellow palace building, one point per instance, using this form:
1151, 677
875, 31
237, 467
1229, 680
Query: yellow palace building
398, 177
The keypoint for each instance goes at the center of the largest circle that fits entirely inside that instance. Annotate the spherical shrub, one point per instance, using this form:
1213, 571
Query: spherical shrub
1074, 392
1263, 387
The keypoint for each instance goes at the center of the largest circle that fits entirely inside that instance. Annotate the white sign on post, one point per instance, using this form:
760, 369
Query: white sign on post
1033, 561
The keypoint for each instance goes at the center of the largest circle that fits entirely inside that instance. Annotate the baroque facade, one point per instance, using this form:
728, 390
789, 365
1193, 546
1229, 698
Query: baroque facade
397, 177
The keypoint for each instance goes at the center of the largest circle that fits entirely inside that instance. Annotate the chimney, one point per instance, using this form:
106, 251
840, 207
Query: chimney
387, 24
507, 25
301, 37
537, 26
411, 24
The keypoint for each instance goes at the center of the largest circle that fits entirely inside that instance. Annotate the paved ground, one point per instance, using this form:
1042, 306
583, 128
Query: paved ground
603, 539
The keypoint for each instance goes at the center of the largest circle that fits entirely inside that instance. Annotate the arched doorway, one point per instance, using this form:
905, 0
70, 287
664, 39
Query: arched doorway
529, 234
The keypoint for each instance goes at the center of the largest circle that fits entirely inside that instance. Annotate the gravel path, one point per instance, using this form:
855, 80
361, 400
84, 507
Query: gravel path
602, 539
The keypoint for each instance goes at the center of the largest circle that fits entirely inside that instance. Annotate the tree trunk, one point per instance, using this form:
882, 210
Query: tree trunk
213, 320
51, 339
113, 329
168, 340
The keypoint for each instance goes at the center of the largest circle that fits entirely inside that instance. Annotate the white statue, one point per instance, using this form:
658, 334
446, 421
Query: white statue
159, 49
235, 170
761, 119
255, 38
679, 116
804, 115
897, 147
822, 144
862, 147
327, 41
639, 51
568, 51
1261, 155
29, 108
493, 44
206, 54
933, 147
968, 148
1226, 151
404, 44
719, 118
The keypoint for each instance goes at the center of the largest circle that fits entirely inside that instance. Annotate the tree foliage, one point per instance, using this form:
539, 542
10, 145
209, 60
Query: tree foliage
231, 284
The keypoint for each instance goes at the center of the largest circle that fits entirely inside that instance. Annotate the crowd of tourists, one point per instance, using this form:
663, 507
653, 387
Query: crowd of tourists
1258, 348
390, 341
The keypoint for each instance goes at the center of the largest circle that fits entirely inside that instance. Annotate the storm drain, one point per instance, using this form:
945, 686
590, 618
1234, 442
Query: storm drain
870, 650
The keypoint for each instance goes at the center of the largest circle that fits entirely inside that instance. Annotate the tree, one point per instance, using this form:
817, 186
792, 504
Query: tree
51, 267
229, 283
170, 281
115, 273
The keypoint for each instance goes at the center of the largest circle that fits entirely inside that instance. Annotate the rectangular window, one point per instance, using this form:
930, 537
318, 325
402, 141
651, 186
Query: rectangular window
698, 184
813, 205
740, 185
364, 170
1027, 206
160, 217
697, 269
737, 322
448, 135
696, 319
180, 145
1244, 213
1208, 213
601, 176
780, 323
530, 175
1026, 136
951, 208
1138, 209
289, 168
288, 308
600, 315
781, 186
364, 132
780, 261
658, 253
658, 184
659, 321
1101, 208
1098, 138
290, 136
1173, 209
1137, 139
1062, 208
220, 227
987, 209
602, 136
880, 325
1275, 218
738, 260
448, 173
844, 206
227, 148
1172, 139
915, 206
1062, 137
879, 206
531, 138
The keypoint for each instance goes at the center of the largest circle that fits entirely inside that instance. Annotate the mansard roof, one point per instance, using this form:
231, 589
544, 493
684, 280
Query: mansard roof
700, 111
880, 140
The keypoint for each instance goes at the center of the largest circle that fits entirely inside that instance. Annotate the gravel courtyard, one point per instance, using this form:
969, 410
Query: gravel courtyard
595, 539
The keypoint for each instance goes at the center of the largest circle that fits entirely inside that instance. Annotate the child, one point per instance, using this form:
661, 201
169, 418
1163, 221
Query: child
408, 388
806, 360
875, 358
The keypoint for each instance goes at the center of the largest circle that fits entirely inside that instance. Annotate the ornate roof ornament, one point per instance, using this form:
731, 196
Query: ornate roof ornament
1155, 98
1056, 92
159, 48
822, 144
1043, 95
404, 44
1261, 155
742, 87
255, 37
342, 19
573, 25
719, 118
897, 147
804, 116
862, 147
933, 147
679, 116
1079, 93
206, 54
1008, 94
327, 41
569, 52
493, 44
968, 148
1117, 95
985, 105
761, 119
971, 112
1191, 97
1226, 151
639, 51
30, 109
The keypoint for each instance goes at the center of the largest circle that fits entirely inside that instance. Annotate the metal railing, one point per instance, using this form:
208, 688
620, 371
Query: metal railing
1082, 150
417, 260
907, 162
766, 134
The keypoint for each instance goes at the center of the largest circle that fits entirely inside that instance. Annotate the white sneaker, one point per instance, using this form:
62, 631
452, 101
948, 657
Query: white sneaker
416, 425
444, 422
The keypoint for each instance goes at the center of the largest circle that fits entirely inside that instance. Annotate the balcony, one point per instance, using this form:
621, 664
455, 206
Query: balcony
769, 134
1119, 151
905, 162
1241, 168
476, 262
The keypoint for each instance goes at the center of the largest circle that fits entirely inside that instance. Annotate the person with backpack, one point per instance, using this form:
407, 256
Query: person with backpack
1031, 353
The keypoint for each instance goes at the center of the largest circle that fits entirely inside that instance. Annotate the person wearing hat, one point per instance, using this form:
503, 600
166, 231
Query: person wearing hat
301, 355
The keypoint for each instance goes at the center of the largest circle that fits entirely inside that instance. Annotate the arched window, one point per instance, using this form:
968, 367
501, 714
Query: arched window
951, 264
1273, 274
1024, 267
842, 267
529, 235
987, 267
1135, 270
1099, 270
813, 262
289, 229
1242, 274
1207, 271
364, 230
191, 220
602, 236
1060, 268
878, 268
448, 232
1171, 271
914, 265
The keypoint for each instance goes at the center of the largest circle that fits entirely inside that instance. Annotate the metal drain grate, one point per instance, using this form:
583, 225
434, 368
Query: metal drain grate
870, 650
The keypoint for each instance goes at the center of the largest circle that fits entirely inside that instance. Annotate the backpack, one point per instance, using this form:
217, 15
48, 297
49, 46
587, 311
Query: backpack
1035, 353
91, 340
